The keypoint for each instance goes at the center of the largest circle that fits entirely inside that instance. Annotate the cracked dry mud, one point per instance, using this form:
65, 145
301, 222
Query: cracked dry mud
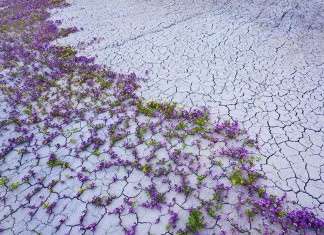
261, 62
258, 62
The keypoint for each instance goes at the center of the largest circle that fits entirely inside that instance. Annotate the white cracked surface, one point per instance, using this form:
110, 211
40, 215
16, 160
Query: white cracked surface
261, 62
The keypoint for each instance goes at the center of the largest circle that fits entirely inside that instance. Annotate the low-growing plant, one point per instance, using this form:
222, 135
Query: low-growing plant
3, 181
195, 221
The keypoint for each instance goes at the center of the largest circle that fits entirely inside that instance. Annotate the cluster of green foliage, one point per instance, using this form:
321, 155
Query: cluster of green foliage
56, 162
3, 181
195, 221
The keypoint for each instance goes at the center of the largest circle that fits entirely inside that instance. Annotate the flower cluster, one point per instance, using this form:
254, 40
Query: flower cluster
304, 218
173, 219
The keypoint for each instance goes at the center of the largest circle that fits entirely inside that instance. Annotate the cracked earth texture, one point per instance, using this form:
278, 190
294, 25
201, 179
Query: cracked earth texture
261, 62
82, 152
